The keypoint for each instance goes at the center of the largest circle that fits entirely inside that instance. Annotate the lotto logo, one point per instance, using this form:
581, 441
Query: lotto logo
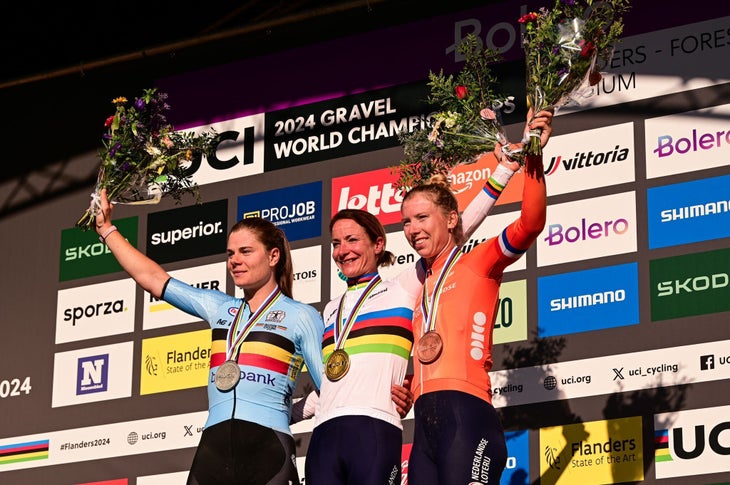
371, 191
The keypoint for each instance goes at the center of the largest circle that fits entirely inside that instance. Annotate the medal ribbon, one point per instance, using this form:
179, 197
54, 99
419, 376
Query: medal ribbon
344, 328
233, 346
429, 311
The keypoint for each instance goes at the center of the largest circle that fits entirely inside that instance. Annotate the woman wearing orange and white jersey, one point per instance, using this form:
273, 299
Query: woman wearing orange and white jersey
458, 437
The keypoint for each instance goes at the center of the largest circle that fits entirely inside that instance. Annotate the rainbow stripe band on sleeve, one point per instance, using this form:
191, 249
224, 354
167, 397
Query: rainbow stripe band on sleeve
493, 188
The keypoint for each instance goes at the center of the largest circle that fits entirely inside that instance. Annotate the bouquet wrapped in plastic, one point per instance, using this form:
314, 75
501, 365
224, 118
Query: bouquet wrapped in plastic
465, 126
143, 158
564, 50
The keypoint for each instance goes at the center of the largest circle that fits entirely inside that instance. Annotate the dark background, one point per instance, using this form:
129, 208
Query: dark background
62, 63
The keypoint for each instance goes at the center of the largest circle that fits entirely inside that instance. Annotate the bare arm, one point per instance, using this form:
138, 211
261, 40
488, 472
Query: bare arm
147, 273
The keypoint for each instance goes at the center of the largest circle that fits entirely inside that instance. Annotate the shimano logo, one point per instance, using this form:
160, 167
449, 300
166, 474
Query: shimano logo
600, 298
698, 210
176, 235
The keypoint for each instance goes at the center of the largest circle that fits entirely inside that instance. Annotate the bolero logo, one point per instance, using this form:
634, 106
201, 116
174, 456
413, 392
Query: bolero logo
557, 234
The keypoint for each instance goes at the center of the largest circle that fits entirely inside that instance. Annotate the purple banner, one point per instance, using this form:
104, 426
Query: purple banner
373, 60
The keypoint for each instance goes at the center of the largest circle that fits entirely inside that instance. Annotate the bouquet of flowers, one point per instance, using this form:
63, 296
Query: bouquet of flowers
143, 158
564, 49
465, 126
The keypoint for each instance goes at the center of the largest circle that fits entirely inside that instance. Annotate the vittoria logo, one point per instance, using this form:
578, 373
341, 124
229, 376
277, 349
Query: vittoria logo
587, 159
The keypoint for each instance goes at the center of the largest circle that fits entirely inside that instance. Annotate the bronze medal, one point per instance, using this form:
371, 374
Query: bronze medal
227, 375
429, 347
337, 365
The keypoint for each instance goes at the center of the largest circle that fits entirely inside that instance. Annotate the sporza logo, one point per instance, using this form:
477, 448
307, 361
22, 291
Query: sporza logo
95, 310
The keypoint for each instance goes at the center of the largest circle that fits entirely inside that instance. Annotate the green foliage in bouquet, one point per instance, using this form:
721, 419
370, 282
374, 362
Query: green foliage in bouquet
465, 125
143, 158
565, 48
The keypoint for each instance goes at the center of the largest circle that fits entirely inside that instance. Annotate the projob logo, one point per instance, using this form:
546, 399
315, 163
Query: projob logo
296, 210
188, 232
371, 191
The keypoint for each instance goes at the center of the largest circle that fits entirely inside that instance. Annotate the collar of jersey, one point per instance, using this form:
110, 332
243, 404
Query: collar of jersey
360, 280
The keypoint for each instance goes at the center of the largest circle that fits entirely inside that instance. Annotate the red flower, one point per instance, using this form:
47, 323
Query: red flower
527, 18
594, 78
588, 49
108, 121
460, 91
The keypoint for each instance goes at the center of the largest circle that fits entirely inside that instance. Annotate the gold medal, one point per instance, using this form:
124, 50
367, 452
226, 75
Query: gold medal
227, 375
337, 365
429, 347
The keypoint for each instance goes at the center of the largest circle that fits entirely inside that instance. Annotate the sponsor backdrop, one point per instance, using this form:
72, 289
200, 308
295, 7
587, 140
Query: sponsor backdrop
611, 356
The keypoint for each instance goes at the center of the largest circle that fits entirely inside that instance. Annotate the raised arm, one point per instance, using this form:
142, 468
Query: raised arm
146, 272
479, 207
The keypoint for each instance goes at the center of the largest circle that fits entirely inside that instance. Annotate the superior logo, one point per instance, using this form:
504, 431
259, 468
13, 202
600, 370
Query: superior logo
175, 235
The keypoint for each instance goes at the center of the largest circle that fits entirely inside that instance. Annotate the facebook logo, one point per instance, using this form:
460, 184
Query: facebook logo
92, 374
707, 362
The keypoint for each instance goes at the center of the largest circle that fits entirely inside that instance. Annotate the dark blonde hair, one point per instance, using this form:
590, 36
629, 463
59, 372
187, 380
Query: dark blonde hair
373, 228
271, 237
438, 190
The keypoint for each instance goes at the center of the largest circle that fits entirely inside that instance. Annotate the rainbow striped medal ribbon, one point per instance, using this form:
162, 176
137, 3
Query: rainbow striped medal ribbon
338, 362
229, 373
429, 346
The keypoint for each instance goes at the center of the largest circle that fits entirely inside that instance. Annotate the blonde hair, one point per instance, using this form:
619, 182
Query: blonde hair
438, 190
